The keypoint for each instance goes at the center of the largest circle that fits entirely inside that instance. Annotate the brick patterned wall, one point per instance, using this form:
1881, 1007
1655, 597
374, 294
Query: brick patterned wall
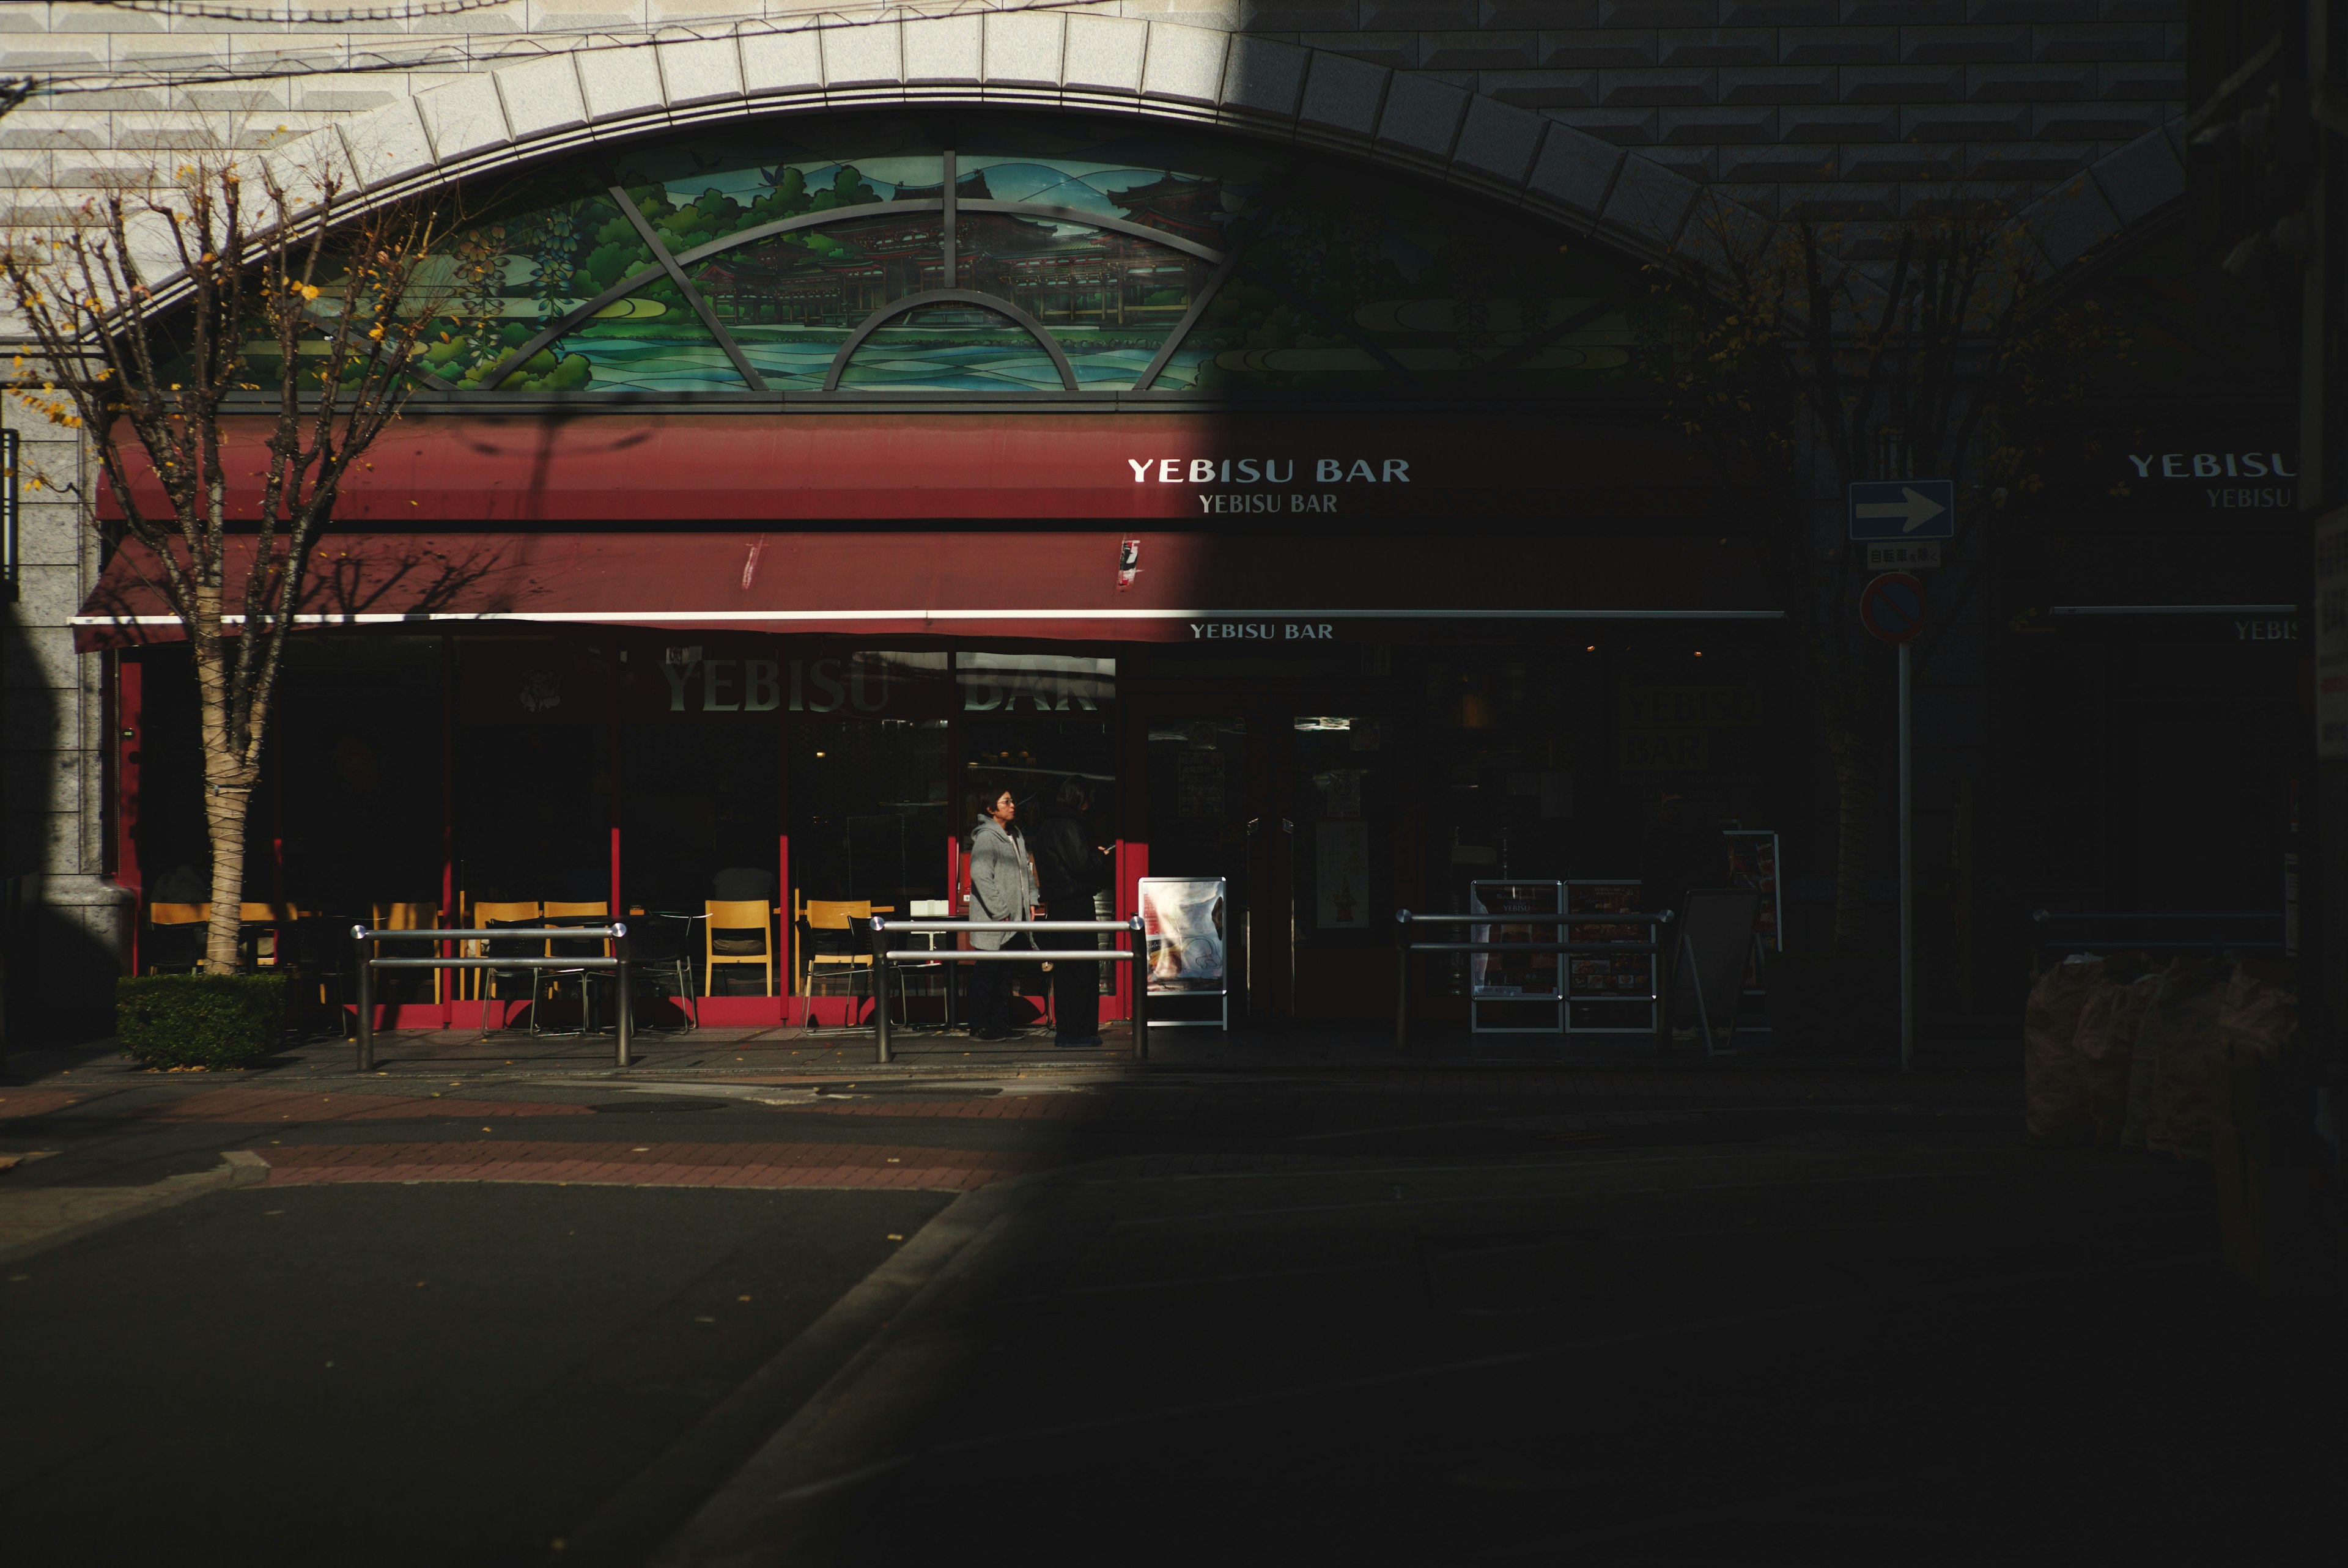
1856, 107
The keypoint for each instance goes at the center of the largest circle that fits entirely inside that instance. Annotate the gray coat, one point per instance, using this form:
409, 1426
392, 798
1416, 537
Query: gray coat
1002, 880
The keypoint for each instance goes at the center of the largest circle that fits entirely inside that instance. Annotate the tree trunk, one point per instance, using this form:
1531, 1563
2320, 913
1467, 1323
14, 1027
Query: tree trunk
228, 796
1854, 819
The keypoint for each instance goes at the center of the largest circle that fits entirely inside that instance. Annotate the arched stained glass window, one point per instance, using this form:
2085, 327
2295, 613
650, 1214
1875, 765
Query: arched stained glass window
1012, 255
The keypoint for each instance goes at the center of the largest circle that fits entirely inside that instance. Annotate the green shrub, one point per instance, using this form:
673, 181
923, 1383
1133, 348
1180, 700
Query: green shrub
200, 1020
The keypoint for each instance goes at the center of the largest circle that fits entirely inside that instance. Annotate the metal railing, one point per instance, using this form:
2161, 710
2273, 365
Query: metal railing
368, 961
1404, 946
2107, 938
884, 958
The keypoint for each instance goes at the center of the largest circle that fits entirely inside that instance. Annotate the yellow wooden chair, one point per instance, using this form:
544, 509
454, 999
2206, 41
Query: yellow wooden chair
736, 916
482, 914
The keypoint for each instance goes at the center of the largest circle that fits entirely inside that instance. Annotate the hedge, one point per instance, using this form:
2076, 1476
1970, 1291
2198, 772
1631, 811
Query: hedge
200, 1020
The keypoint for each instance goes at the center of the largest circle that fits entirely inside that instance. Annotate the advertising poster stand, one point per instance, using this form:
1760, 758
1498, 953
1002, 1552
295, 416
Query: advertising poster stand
1752, 865
1604, 990
1515, 979
1182, 920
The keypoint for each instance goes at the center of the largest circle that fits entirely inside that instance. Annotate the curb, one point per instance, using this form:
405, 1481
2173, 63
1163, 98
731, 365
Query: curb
61, 1215
704, 1478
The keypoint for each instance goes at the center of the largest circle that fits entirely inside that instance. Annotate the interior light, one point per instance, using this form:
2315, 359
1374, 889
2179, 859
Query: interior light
1592, 648
818, 753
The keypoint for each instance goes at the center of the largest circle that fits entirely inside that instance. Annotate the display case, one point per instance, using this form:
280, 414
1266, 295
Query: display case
1511, 980
1609, 993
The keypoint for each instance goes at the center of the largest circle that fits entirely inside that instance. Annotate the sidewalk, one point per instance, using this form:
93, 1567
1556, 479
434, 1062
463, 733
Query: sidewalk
1284, 1045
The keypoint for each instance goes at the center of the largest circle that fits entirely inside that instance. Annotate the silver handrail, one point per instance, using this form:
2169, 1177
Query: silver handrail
884, 956
1404, 947
368, 961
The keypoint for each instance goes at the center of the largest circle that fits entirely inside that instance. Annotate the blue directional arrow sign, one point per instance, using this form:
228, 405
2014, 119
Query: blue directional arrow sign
1903, 509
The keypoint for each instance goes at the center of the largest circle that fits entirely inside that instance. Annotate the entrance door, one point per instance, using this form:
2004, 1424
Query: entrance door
1215, 808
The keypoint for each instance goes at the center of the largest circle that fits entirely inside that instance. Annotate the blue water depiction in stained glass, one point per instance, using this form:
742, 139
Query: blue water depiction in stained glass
656, 365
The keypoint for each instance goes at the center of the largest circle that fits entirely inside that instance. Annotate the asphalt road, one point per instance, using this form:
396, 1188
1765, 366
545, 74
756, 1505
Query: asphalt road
358, 1374
1699, 1314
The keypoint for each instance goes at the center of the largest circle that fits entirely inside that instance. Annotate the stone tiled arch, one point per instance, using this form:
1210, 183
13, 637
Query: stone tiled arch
1076, 61
1154, 70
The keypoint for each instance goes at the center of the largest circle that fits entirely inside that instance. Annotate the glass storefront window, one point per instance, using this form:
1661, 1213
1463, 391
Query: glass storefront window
534, 813
359, 750
696, 800
1342, 879
868, 811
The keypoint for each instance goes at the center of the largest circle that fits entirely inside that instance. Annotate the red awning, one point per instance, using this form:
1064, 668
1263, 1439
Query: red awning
1180, 468
1060, 585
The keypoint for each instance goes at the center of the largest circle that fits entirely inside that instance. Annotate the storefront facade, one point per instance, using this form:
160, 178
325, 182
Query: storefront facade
795, 490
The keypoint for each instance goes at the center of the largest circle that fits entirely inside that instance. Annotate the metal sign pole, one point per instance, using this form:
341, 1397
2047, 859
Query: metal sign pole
366, 986
1402, 982
1907, 886
880, 988
624, 1025
1141, 988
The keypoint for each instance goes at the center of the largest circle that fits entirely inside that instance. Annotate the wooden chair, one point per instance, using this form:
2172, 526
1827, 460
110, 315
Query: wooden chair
271, 918
835, 942
181, 925
556, 911
478, 920
412, 917
738, 915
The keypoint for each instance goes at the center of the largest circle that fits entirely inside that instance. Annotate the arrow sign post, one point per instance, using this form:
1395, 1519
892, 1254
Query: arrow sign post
1903, 509
1892, 608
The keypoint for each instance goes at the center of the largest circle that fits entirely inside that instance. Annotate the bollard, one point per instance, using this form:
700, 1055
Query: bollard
880, 990
626, 1021
1141, 988
1402, 982
364, 1036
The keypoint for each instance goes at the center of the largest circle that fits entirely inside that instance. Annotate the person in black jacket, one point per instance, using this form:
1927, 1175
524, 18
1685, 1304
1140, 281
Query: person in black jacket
1071, 869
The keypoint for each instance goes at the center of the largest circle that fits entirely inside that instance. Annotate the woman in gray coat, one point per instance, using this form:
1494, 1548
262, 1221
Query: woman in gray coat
1002, 887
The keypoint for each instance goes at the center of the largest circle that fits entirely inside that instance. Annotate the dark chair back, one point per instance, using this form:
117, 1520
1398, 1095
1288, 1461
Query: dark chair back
659, 939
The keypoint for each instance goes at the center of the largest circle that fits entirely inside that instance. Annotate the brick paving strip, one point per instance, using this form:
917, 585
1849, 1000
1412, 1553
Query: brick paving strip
300, 1105
652, 1165
16, 1103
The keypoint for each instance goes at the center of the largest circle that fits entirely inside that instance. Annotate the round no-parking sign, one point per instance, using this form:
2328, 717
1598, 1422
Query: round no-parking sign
1893, 607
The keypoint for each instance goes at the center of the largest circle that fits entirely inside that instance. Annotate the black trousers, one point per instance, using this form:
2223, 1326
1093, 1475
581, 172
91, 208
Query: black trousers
1076, 987
990, 997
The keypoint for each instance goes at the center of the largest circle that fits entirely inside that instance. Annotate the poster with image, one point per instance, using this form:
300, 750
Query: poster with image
1183, 922
1527, 976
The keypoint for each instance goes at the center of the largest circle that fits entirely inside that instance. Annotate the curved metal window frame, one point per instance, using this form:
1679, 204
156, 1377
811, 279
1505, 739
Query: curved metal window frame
949, 206
898, 307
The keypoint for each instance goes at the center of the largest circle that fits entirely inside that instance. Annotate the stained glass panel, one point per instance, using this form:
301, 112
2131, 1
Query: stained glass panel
791, 299
1348, 276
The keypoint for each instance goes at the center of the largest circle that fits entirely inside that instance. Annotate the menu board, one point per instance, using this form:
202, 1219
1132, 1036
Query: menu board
1183, 922
1602, 977
1506, 976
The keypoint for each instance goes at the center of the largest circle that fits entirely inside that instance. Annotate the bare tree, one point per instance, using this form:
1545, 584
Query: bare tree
159, 311
1817, 353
